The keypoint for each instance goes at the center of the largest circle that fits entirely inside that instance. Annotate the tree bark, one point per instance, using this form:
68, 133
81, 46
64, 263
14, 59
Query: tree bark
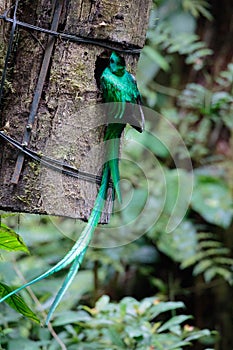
68, 124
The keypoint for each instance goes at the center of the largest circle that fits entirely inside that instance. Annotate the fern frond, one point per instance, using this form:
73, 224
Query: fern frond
211, 259
215, 271
162, 40
198, 8
225, 78
202, 266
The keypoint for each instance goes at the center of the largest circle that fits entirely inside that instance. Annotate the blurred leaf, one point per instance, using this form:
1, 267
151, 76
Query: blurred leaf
197, 55
156, 57
221, 98
210, 259
181, 41
178, 191
133, 332
116, 340
202, 266
146, 69
198, 334
25, 344
214, 271
197, 8
212, 200
154, 144
165, 306
225, 78
102, 303
179, 345
68, 317
196, 45
179, 244
174, 321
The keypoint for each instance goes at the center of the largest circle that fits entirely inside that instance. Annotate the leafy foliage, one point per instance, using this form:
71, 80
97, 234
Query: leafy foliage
201, 112
211, 259
197, 8
128, 324
212, 199
217, 106
185, 44
165, 42
225, 79
135, 325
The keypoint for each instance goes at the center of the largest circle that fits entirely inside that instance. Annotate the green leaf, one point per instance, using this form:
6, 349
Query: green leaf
226, 77
202, 266
215, 270
102, 303
134, 332
115, 338
165, 306
198, 334
179, 345
193, 47
223, 260
181, 243
183, 40
193, 259
197, 8
153, 143
68, 317
198, 54
212, 200
17, 303
174, 321
156, 57
179, 188
10, 240
209, 244
25, 344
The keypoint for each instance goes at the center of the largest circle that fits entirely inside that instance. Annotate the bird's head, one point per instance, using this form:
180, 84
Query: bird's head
117, 64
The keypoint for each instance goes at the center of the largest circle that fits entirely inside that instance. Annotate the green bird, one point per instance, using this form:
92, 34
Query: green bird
121, 93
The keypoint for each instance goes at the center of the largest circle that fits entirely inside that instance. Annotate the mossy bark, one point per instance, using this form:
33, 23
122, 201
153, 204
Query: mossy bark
68, 125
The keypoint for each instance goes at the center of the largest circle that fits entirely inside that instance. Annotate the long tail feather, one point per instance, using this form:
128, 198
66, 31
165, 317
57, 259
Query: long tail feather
113, 156
77, 249
80, 246
69, 278
114, 167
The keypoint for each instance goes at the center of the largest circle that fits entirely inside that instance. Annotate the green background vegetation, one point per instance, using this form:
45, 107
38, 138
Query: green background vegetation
163, 290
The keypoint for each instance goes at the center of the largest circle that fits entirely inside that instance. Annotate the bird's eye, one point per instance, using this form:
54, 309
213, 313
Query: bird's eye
111, 60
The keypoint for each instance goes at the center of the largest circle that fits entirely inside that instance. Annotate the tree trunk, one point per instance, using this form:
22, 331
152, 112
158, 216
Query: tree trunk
68, 125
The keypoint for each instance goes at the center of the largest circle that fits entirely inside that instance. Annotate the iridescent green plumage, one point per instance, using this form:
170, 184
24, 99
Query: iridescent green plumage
121, 92
120, 88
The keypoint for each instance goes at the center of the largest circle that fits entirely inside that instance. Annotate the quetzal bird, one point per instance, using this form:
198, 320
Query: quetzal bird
120, 91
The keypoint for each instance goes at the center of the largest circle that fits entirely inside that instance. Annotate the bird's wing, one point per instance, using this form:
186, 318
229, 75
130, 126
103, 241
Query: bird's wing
134, 114
113, 94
